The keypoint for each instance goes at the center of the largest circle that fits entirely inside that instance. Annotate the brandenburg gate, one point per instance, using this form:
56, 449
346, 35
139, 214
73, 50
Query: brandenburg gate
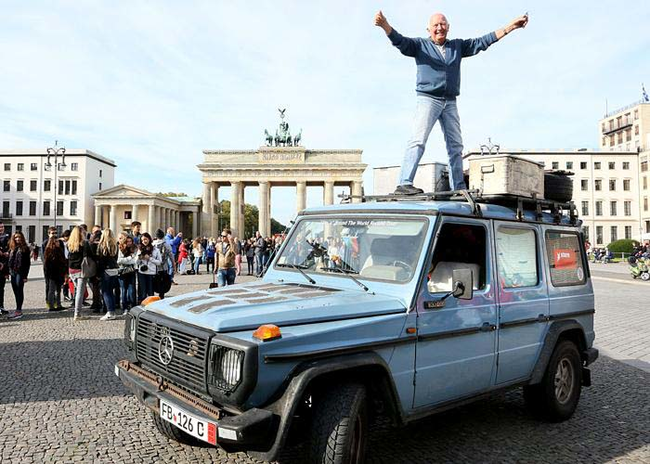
282, 162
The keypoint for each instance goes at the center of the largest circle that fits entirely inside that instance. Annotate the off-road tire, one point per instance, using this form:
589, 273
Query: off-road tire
172, 432
558, 187
339, 425
543, 399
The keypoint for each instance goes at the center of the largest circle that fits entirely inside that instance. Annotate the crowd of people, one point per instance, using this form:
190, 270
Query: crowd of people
96, 268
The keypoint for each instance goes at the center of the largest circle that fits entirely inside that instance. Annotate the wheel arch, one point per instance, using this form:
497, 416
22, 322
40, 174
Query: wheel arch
558, 331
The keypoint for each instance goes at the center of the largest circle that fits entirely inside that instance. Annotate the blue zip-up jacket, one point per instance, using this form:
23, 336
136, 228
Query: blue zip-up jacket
437, 76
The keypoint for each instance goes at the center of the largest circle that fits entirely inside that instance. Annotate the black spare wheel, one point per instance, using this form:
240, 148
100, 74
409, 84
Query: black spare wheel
558, 186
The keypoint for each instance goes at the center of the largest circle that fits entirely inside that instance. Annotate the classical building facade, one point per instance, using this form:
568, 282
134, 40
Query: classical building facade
36, 196
270, 166
118, 207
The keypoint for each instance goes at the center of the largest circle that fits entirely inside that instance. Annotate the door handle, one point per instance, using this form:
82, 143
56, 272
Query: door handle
542, 318
487, 327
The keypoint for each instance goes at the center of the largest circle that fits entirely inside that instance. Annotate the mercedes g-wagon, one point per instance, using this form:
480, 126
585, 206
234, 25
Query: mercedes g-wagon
410, 307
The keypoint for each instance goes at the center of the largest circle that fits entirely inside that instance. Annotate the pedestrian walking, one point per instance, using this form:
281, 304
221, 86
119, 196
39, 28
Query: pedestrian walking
197, 252
259, 245
238, 255
55, 268
209, 256
225, 261
163, 279
78, 250
126, 262
4, 267
249, 251
438, 84
148, 262
107, 268
51, 232
19, 262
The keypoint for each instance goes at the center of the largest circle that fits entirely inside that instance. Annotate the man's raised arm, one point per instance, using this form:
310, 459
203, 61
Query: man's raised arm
516, 23
381, 21
405, 45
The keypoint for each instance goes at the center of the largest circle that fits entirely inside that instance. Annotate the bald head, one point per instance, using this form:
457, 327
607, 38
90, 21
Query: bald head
438, 28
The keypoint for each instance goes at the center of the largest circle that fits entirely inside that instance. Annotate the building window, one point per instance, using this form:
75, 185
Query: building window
73, 208
604, 141
32, 208
555, 165
59, 208
626, 165
598, 184
636, 114
628, 135
599, 235
626, 185
61, 166
100, 173
5, 209
127, 214
613, 233
584, 184
47, 185
46, 208
74, 187
627, 208
19, 208
74, 166
597, 165
612, 141
67, 187
60, 187
7, 166
612, 208
20, 167
585, 208
620, 137
32, 185
569, 164
599, 208
645, 182
33, 166
636, 131
628, 232
19, 186
585, 230
611, 124
583, 165
100, 186
612, 185
644, 166
612, 165
645, 203
31, 234
6, 185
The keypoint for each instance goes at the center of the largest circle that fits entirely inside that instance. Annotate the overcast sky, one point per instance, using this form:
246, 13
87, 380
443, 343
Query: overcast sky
150, 84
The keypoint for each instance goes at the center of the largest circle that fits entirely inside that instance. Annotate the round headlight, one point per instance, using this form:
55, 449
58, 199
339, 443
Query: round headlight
231, 367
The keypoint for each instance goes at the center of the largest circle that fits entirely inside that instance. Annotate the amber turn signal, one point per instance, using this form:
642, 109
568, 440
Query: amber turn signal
149, 300
267, 332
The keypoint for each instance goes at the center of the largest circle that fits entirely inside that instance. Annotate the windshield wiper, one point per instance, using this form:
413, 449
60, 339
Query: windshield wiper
349, 274
299, 269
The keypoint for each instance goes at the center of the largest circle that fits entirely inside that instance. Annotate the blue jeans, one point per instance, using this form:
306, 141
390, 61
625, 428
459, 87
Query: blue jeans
145, 286
197, 262
428, 111
18, 284
109, 283
226, 276
127, 288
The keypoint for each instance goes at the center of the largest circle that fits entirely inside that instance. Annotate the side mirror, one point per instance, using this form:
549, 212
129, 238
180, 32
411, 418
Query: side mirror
463, 280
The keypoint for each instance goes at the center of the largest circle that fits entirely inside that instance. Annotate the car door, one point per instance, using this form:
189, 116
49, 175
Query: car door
455, 351
522, 296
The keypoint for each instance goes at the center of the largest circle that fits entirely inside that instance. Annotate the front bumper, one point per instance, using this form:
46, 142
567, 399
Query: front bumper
255, 429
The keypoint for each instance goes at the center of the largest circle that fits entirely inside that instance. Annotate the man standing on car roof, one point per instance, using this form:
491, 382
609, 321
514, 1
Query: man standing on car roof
438, 85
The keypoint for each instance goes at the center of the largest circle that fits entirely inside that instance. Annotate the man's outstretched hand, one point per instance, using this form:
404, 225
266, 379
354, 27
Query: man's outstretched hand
381, 21
517, 23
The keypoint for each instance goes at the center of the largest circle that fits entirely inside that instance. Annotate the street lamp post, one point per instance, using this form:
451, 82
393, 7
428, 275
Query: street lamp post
55, 152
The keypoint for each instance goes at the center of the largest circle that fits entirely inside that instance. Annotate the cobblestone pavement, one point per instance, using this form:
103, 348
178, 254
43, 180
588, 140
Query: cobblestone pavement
61, 402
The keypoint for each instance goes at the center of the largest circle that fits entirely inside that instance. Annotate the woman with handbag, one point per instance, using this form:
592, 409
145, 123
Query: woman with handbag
18, 270
55, 267
148, 261
107, 269
126, 262
82, 266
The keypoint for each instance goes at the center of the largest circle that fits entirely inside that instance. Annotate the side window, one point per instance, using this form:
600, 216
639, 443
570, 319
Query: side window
565, 259
517, 257
459, 246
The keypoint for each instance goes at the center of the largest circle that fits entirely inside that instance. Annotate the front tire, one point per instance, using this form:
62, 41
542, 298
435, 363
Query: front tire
555, 399
340, 425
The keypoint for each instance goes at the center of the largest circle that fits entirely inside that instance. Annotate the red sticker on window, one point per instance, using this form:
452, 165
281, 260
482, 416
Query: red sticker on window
565, 259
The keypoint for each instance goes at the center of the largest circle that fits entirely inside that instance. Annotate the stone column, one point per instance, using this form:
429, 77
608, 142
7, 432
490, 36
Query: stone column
241, 225
195, 218
159, 218
328, 193
264, 225
134, 213
112, 221
356, 190
177, 218
98, 215
151, 220
206, 210
214, 200
235, 208
167, 221
301, 195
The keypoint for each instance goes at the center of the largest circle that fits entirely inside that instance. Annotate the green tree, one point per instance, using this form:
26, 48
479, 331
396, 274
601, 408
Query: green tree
251, 219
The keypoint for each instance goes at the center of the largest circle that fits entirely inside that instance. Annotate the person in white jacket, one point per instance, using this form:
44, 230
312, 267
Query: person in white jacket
147, 265
126, 260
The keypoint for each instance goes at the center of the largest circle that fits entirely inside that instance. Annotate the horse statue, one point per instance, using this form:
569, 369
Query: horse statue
282, 139
297, 138
269, 138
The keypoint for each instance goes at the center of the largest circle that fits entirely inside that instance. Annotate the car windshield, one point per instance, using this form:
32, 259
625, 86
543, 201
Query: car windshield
371, 248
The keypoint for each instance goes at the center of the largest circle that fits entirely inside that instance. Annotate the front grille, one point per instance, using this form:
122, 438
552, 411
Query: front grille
187, 366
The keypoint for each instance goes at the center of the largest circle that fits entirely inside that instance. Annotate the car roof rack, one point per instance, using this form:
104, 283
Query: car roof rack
474, 198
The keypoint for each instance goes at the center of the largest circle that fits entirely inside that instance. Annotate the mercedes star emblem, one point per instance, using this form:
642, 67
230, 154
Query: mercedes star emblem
166, 350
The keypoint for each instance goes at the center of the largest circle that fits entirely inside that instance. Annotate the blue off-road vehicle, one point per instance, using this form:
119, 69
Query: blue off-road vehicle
408, 307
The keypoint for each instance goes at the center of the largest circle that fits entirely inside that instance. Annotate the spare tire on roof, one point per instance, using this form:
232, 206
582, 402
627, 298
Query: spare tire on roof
558, 186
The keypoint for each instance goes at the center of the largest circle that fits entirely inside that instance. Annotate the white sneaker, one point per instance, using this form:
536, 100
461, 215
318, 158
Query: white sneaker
107, 317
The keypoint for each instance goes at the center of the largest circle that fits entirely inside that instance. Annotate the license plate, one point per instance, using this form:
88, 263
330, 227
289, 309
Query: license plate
189, 423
